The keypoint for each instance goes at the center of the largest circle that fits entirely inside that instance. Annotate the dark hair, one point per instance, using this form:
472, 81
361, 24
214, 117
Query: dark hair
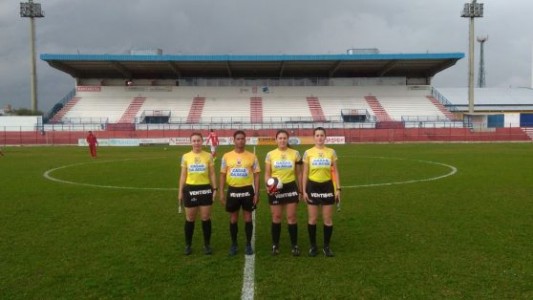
282, 131
198, 134
238, 132
319, 128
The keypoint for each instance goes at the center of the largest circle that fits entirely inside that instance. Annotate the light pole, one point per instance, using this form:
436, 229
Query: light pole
471, 10
32, 10
481, 76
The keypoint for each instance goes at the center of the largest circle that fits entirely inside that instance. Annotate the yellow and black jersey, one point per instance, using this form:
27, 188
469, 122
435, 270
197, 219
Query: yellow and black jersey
197, 165
283, 164
239, 168
319, 163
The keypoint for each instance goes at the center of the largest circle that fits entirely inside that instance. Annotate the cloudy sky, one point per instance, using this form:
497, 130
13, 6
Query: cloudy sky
260, 27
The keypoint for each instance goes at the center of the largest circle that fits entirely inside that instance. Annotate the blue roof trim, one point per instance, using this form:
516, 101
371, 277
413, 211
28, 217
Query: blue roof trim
254, 58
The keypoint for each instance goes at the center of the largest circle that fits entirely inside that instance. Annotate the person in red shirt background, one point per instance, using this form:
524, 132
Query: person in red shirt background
92, 141
212, 140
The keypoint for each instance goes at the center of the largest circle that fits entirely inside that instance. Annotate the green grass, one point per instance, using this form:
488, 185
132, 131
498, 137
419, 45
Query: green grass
469, 235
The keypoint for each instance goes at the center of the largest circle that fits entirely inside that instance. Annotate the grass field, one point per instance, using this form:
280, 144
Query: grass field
418, 221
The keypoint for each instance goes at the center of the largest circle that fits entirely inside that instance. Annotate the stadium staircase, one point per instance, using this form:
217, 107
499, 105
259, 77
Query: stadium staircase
441, 108
383, 119
132, 110
528, 131
256, 110
62, 112
316, 109
379, 111
197, 107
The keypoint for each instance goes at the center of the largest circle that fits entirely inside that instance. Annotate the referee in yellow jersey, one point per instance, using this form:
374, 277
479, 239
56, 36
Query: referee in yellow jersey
318, 189
240, 169
197, 188
284, 163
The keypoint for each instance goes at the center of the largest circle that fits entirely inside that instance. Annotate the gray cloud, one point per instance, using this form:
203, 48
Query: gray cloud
260, 27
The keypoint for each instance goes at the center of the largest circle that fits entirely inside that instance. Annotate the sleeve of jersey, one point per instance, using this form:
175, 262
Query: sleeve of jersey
183, 162
305, 158
256, 167
298, 158
223, 165
334, 155
267, 158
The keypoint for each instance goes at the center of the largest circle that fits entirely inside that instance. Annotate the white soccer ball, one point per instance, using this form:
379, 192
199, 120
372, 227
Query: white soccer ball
274, 185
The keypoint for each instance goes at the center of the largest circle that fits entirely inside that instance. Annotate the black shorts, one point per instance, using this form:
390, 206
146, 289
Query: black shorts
237, 197
288, 194
320, 193
197, 195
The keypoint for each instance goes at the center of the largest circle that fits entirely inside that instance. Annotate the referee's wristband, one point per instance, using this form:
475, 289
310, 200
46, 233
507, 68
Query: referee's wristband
215, 189
339, 189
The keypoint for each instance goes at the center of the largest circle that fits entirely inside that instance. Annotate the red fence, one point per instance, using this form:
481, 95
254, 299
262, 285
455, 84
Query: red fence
351, 135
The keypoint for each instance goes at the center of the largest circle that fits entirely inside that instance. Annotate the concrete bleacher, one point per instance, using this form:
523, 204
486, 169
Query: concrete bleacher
398, 107
277, 104
179, 108
94, 108
226, 110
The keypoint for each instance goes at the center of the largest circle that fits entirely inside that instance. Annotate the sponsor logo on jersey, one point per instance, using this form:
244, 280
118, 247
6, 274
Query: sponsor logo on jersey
239, 173
283, 164
321, 162
197, 168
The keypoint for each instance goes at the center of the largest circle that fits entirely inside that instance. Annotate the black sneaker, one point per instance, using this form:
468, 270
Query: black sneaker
249, 250
275, 250
295, 251
208, 250
313, 251
328, 252
233, 250
188, 250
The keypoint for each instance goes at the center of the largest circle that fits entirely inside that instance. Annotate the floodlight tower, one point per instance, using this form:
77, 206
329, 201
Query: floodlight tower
32, 10
471, 10
481, 76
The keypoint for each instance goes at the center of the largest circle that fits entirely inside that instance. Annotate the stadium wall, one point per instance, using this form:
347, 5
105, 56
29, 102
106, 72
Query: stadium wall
38, 137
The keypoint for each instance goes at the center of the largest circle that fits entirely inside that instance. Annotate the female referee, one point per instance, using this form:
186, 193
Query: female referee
318, 188
197, 188
285, 164
239, 169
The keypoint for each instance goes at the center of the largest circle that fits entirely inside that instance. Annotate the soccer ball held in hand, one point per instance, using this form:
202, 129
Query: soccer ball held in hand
274, 185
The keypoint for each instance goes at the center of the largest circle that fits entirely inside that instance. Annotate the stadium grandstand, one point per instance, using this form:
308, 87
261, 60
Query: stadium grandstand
364, 97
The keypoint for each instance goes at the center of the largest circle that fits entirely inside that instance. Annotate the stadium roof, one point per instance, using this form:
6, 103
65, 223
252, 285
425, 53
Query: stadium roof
490, 99
424, 65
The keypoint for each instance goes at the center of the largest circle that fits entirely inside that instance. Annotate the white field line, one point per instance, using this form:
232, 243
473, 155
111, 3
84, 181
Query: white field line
48, 175
248, 282
452, 172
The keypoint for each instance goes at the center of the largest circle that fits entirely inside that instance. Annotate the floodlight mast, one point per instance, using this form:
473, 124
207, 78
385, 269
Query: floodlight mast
471, 10
32, 10
481, 76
